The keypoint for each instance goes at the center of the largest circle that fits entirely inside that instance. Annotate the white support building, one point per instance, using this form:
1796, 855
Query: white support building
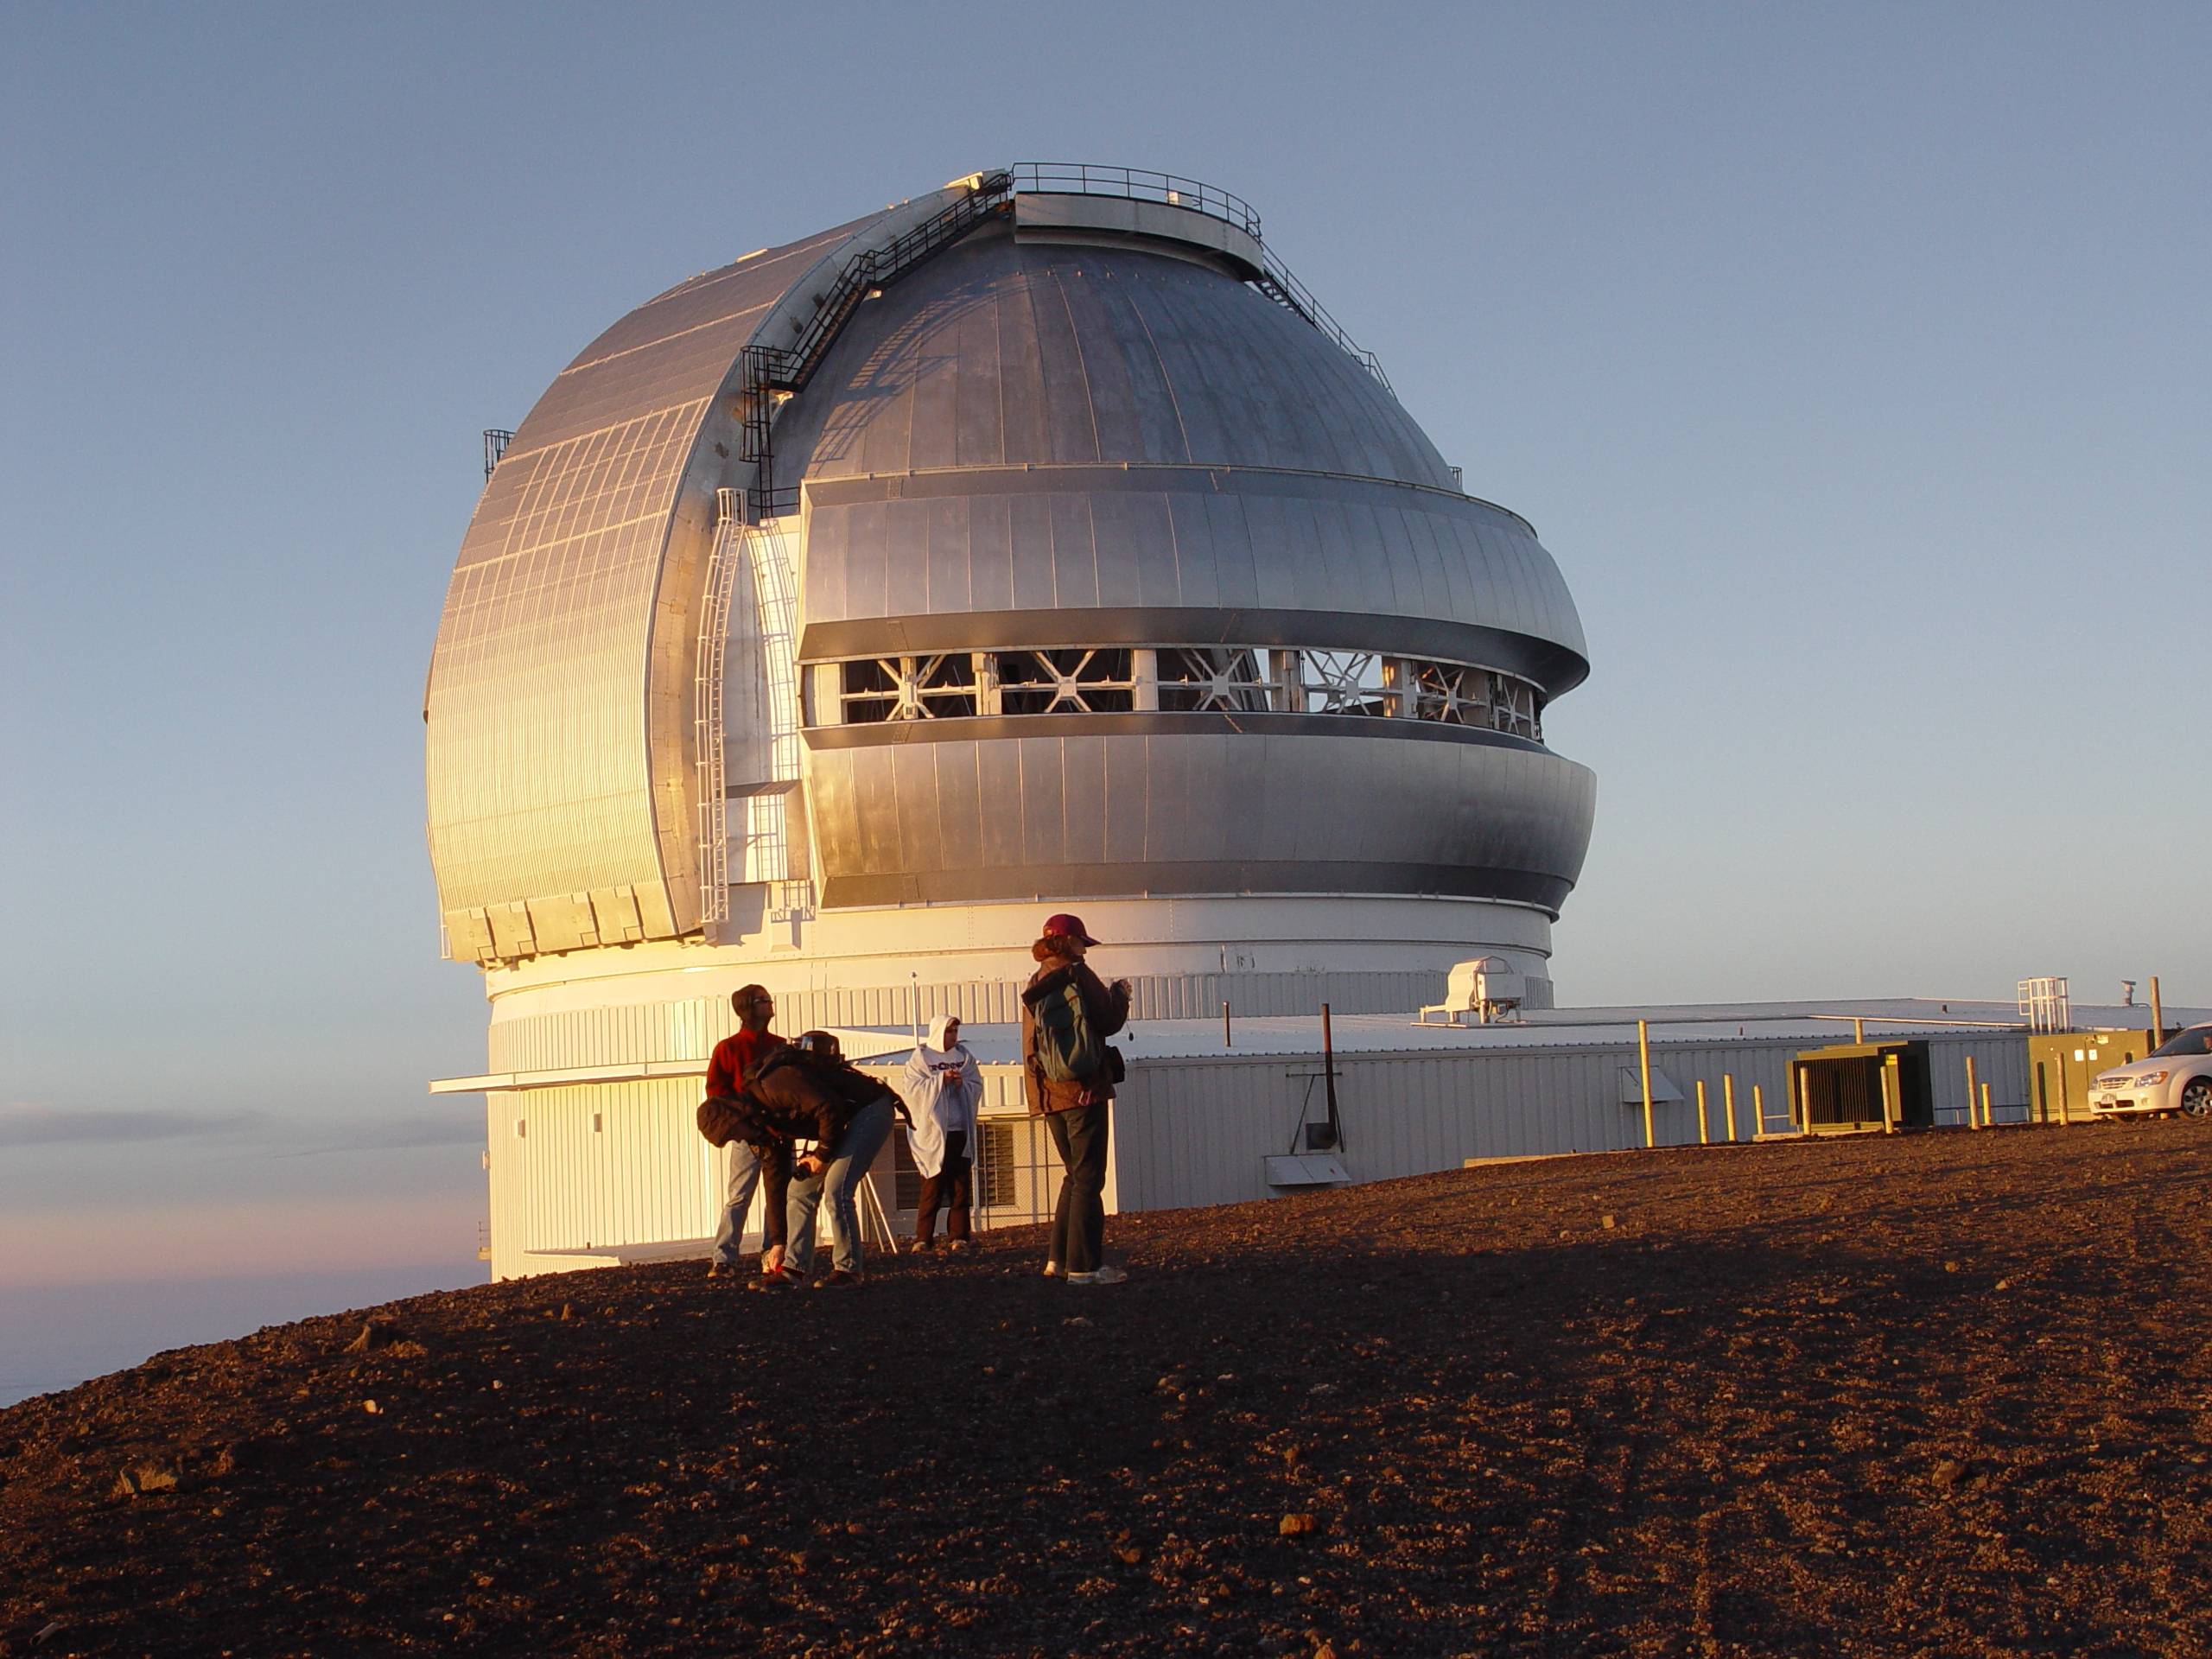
588, 1170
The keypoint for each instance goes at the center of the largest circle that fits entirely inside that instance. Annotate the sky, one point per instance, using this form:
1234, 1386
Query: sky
1852, 361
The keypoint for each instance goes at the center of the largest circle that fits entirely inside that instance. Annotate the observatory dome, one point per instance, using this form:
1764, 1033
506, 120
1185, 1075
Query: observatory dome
1039, 539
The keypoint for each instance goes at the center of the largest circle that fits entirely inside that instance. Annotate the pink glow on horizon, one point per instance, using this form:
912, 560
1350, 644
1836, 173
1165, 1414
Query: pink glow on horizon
186, 1240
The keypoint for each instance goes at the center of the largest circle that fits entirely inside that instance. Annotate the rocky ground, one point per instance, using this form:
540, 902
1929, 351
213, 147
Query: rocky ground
1940, 1395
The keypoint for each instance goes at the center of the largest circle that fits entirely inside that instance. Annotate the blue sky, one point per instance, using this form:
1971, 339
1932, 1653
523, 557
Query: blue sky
1852, 361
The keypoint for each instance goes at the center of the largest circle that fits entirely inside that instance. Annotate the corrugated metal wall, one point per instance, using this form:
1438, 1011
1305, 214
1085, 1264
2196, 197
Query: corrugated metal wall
689, 1030
605, 1165
615, 1036
2001, 1062
1196, 1131
600, 1166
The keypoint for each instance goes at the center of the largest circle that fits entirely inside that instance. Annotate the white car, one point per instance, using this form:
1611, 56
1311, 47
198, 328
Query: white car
2176, 1077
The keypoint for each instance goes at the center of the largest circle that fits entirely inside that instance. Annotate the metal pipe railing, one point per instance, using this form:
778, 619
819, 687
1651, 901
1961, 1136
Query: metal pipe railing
1138, 184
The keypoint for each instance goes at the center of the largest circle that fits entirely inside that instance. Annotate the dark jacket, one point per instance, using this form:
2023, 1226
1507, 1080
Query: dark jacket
787, 1099
802, 1098
1107, 1007
853, 1086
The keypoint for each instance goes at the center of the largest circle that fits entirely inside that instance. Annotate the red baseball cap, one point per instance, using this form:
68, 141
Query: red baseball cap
1066, 926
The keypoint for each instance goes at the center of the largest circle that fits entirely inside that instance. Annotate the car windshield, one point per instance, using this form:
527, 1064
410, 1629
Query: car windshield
2197, 1040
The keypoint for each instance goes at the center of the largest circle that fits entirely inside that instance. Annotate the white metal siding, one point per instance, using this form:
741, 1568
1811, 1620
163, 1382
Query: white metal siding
1186, 1132
689, 1029
642, 1176
1196, 1131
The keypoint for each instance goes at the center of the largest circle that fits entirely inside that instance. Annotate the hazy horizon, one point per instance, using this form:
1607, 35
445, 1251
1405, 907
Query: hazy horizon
62, 1335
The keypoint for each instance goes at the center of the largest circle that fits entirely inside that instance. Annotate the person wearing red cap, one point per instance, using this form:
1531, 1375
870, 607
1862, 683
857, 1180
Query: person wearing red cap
1069, 1071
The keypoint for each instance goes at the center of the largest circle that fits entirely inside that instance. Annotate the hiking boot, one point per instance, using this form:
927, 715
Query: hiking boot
1052, 1270
958, 1245
922, 1246
836, 1279
720, 1269
781, 1279
1106, 1275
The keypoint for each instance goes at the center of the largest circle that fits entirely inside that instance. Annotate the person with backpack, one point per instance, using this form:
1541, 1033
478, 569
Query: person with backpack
853, 1114
1069, 1071
942, 1086
780, 1103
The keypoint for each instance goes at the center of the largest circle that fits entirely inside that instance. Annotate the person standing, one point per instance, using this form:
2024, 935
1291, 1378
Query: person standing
734, 1058
942, 1086
1068, 1072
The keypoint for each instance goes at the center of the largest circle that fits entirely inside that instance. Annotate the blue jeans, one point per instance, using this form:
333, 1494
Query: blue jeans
863, 1138
744, 1177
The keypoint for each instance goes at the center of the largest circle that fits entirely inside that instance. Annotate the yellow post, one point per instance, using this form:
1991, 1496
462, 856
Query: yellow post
1891, 1091
2158, 1014
1973, 1120
1703, 1139
1643, 1060
1728, 1102
1758, 1111
1989, 1117
1803, 1106
1857, 1030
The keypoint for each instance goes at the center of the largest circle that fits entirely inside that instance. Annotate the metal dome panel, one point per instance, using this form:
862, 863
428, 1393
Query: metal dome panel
539, 720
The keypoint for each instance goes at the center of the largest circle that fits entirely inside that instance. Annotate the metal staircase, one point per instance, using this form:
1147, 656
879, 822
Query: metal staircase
773, 373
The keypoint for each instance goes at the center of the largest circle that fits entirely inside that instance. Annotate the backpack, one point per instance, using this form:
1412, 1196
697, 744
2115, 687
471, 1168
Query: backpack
1069, 1049
718, 1121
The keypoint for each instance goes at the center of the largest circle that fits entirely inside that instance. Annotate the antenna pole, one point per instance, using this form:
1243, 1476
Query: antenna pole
1329, 1081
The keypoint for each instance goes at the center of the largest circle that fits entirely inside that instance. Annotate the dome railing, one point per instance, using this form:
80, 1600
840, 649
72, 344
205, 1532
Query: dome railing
773, 374
1138, 184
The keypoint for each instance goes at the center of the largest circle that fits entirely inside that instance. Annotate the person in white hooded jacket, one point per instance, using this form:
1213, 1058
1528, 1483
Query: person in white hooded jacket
942, 1086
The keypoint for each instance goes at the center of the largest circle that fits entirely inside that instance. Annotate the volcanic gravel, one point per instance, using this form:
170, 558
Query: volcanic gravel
1937, 1395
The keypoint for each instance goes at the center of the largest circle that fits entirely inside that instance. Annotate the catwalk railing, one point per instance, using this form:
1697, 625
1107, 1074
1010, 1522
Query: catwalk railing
775, 373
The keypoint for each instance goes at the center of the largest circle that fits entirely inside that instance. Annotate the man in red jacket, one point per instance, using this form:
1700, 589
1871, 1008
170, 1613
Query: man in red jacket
734, 1058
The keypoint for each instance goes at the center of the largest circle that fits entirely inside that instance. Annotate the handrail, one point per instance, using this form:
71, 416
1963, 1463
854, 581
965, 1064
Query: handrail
1287, 291
772, 372
1138, 184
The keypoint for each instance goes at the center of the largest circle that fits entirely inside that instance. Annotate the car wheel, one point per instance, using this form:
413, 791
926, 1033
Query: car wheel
2196, 1097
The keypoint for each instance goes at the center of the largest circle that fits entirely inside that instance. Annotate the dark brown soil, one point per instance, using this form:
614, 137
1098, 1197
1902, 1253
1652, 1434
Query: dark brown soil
1943, 1395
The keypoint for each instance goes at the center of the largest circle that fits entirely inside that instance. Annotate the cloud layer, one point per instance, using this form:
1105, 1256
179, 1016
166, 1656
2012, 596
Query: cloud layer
31, 1123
